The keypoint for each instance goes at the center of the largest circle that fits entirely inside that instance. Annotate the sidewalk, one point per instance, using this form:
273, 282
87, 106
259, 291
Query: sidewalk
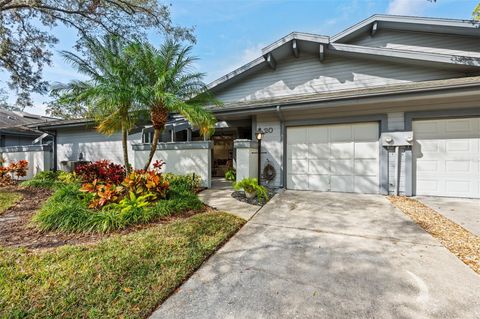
220, 197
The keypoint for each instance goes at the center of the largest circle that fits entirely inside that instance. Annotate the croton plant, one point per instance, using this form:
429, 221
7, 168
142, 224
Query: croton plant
138, 182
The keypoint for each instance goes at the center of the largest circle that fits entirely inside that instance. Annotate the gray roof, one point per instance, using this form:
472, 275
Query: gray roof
17, 123
321, 45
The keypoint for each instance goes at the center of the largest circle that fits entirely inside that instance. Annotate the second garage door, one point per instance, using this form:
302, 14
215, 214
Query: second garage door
447, 157
338, 158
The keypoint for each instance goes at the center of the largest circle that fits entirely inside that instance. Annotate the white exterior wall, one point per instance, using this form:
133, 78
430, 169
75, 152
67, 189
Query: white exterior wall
93, 145
38, 160
180, 161
246, 163
272, 146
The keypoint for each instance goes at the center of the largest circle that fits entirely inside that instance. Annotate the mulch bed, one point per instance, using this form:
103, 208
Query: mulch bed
240, 195
17, 230
461, 242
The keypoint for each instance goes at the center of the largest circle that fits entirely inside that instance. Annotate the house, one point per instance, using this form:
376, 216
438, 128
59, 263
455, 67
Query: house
389, 106
13, 131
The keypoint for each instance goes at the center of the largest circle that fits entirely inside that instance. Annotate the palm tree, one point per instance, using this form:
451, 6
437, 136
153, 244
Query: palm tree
109, 93
168, 84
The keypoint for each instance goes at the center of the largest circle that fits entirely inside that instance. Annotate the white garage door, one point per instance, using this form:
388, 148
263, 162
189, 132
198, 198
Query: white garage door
447, 157
337, 158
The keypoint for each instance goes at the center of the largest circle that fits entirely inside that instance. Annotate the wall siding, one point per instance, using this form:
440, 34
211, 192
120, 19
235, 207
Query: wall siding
418, 41
272, 147
307, 75
93, 145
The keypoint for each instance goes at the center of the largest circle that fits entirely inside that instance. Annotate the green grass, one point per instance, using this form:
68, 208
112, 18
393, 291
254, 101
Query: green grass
121, 277
66, 210
7, 199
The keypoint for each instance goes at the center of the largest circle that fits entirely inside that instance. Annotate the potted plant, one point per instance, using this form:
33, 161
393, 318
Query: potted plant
252, 189
230, 175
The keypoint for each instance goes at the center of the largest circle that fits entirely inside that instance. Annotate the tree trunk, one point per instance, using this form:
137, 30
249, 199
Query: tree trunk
125, 147
156, 136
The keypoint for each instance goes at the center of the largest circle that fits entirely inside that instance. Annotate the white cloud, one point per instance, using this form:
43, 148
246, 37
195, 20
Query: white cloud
407, 7
234, 62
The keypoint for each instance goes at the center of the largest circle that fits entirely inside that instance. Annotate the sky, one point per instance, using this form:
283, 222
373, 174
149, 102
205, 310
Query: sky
231, 33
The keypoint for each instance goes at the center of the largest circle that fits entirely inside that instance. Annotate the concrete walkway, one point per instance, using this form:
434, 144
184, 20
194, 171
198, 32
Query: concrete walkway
463, 211
221, 199
327, 255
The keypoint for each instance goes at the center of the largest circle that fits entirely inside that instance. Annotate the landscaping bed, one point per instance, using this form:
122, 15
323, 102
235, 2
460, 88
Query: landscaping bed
461, 242
124, 276
8, 197
240, 195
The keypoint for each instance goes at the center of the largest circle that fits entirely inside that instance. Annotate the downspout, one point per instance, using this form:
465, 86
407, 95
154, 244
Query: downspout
397, 170
281, 118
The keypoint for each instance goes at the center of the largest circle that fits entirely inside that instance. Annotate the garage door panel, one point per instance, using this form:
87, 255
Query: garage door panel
299, 182
342, 150
458, 166
447, 157
317, 134
297, 135
341, 183
319, 182
366, 167
319, 166
341, 133
298, 166
319, 150
341, 167
365, 132
340, 158
366, 149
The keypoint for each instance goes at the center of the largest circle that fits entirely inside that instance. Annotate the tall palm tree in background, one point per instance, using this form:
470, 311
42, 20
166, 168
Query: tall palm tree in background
168, 84
110, 92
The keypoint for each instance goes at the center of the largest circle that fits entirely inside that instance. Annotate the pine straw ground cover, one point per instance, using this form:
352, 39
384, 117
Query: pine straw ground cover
123, 276
461, 242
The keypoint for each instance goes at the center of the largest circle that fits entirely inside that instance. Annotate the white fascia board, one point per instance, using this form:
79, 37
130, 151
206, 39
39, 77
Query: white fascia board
404, 54
296, 36
236, 72
418, 21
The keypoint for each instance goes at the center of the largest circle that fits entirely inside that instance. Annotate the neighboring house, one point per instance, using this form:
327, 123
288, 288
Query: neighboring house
13, 130
390, 105
324, 102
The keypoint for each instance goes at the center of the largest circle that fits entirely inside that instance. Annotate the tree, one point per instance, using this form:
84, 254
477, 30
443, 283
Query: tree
26, 36
476, 13
167, 85
109, 95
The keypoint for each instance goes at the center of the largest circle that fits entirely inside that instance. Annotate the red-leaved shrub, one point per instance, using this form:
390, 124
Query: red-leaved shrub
151, 184
102, 171
18, 169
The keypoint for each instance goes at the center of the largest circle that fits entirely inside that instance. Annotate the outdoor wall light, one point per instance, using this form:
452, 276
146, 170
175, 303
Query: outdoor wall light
388, 139
259, 134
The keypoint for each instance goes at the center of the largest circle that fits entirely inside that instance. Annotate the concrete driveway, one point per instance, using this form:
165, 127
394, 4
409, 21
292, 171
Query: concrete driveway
463, 211
328, 255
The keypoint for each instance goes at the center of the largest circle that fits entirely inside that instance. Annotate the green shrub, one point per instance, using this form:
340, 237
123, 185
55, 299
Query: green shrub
51, 179
250, 185
67, 210
189, 183
230, 175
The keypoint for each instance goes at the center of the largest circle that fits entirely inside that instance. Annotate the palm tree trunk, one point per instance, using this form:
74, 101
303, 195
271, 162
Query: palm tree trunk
153, 149
125, 147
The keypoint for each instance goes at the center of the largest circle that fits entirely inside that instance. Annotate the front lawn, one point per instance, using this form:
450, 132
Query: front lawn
121, 277
7, 199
